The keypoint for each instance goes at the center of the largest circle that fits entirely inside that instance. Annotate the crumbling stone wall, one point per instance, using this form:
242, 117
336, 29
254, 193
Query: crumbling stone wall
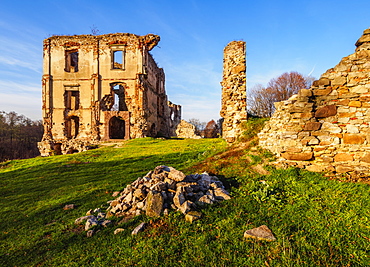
97, 88
326, 127
234, 95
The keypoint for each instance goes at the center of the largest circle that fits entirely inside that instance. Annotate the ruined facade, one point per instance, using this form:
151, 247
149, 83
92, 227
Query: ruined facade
98, 88
326, 127
234, 90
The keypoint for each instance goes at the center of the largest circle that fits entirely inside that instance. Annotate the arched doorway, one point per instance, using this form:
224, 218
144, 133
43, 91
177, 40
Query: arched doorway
116, 128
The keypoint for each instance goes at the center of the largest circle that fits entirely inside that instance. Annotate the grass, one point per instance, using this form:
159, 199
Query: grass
317, 222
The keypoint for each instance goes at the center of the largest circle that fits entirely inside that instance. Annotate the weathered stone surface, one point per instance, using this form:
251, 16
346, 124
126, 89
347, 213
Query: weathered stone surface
366, 158
186, 130
343, 157
119, 230
69, 207
90, 223
234, 92
344, 115
353, 139
326, 111
339, 81
312, 126
192, 216
90, 233
83, 218
297, 156
154, 204
139, 228
176, 175
319, 92
260, 233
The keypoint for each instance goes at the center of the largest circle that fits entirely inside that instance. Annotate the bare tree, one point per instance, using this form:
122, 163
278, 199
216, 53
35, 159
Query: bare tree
261, 99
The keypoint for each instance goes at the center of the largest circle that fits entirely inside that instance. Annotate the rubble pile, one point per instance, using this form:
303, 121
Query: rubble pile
158, 192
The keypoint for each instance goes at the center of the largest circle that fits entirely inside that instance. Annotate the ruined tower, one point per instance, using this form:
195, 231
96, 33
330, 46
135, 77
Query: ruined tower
104, 87
234, 95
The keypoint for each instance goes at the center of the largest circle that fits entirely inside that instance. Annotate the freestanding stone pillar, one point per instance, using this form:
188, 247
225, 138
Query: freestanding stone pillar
234, 90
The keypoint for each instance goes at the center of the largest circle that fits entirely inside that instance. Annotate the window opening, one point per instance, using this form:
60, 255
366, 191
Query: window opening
118, 94
118, 59
72, 125
72, 100
71, 61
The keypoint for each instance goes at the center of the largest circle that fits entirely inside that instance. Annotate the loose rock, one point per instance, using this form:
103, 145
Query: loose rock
260, 233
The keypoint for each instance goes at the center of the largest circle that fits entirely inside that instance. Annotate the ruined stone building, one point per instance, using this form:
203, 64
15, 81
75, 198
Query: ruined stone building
99, 88
327, 127
234, 90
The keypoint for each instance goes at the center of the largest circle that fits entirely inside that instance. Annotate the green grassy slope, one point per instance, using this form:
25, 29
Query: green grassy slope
317, 222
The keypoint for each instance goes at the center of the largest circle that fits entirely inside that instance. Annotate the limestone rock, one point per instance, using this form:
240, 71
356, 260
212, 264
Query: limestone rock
119, 230
193, 216
260, 233
139, 228
154, 204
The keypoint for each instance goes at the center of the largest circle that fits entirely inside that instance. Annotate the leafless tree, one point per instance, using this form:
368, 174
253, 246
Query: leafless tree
261, 99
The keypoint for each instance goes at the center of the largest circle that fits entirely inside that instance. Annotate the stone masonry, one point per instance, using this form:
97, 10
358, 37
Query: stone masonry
101, 87
326, 127
234, 94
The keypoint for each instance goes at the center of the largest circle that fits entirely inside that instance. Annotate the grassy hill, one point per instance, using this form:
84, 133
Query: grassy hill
317, 222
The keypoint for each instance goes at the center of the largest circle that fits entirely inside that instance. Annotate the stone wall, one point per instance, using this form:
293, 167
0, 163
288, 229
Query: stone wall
234, 95
326, 127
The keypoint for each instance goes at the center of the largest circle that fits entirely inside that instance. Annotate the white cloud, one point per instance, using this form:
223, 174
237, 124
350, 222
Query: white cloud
26, 104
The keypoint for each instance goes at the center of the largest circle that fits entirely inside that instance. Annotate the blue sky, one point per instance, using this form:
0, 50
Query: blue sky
304, 36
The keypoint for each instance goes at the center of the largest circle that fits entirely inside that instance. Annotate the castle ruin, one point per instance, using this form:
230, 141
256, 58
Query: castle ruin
101, 88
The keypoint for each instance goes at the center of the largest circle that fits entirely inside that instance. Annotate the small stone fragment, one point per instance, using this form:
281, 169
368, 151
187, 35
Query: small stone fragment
176, 175
260, 233
69, 207
115, 193
118, 230
139, 228
83, 218
221, 194
106, 223
90, 233
90, 223
192, 216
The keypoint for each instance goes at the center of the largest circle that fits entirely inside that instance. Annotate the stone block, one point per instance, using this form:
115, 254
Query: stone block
346, 114
339, 81
353, 139
322, 92
343, 157
366, 158
321, 82
326, 111
298, 156
352, 129
315, 168
343, 169
305, 92
343, 102
312, 126
356, 104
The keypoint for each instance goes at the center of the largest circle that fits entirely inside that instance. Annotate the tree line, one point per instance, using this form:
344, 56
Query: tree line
18, 136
